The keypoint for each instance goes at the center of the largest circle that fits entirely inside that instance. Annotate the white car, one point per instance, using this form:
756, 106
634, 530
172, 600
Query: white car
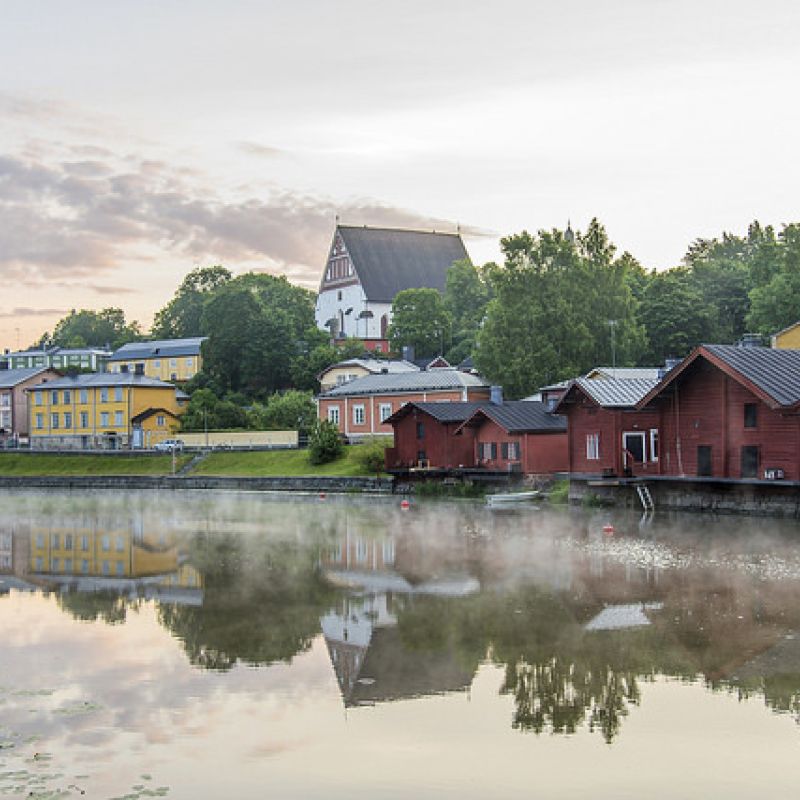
169, 445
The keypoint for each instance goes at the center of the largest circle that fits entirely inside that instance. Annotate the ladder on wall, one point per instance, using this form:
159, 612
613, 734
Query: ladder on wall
646, 499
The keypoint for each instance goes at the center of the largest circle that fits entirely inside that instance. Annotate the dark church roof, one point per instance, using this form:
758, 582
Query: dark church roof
389, 260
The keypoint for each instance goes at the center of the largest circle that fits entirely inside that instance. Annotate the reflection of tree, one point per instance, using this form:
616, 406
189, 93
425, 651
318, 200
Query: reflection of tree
262, 602
110, 607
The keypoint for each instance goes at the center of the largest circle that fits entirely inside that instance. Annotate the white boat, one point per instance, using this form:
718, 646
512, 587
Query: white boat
511, 499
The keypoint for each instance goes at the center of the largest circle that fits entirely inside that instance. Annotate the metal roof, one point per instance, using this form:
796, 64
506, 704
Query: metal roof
375, 365
430, 380
9, 378
160, 348
442, 412
623, 373
388, 260
616, 392
520, 416
775, 372
101, 379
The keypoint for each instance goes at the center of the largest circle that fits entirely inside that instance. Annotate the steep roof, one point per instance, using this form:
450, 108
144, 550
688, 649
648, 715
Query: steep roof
373, 365
141, 417
389, 260
624, 373
612, 392
429, 380
442, 412
520, 416
163, 348
773, 375
9, 378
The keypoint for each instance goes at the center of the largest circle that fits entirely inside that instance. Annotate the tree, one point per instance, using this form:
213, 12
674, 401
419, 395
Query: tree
207, 412
182, 316
87, 328
776, 304
419, 320
466, 296
292, 410
324, 442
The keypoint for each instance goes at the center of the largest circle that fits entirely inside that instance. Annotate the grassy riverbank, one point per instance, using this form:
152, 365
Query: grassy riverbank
49, 464
291, 463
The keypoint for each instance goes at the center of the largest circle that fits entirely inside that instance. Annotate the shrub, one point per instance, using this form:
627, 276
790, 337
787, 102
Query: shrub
371, 455
559, 492
324, 443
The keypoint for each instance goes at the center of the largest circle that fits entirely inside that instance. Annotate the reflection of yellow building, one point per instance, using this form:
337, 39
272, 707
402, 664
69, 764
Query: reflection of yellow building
109, 553
85, 411
165, 360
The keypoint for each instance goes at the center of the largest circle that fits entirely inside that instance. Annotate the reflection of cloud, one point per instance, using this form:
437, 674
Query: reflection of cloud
73, 218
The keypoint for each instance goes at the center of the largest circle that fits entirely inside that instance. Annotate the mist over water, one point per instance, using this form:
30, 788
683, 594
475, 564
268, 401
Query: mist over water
210, 645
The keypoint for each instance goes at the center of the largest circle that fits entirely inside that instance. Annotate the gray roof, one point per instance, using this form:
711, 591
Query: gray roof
160, 348
519, 416
623, 373
443, 412
429, 380
775, 372
376, 365
62, 351
389, 260
9, 378
101, 379
616, 392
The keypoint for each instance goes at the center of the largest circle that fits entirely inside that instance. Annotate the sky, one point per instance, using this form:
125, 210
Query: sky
139, 140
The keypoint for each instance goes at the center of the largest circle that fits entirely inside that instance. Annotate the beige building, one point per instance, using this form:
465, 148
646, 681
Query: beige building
173, 360
14, 398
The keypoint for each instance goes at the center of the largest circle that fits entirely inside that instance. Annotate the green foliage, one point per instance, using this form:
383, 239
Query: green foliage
206, 411
86, 328
442, 489
182, 316
559, 493
371, 454
324, 443
466, 296
321, 355
287, 411
419, 319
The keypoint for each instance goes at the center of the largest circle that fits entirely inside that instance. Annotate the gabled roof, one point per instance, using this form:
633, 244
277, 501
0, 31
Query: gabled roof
519, 416
142, 416
388, 260
373, 365
772, 375
104, 379
442, 412
161, 348
429, 380
624, 373
610, 392
9, 378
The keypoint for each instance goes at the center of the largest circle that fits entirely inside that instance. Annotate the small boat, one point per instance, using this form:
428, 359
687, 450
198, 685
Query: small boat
506, 499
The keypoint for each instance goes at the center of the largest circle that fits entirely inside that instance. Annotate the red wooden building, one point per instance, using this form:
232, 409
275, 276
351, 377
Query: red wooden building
518, 436
425, 435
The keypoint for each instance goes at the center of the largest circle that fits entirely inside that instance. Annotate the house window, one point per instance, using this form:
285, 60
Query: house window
510, 451
40, 421
118, 394
84, 543
654, 444
157, 363
67, 397
54, 421
173, 362
39, 398
106, 568
118, 423
120, 567
67, 420
592, 446
358, 415
751, 415
104, 395
67, 565
361, 550
385, 411
189, 362
84, 396
54, 398
489, 451
120, 544
84, 566
333, 414
420, 430
388, 551
55, 565
105, 543
161, 420
84, 419
749, 462
104, 419
55, 541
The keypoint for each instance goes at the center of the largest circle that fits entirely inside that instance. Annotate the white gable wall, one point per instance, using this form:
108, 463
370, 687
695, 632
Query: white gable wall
330, 306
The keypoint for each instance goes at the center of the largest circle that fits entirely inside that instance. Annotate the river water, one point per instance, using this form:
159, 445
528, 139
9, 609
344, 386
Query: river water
201, 645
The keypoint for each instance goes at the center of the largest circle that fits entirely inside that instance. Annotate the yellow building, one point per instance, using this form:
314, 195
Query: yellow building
103, 410
175, 360
788, 338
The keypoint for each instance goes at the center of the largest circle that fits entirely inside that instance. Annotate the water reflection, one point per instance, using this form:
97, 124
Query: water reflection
413, 604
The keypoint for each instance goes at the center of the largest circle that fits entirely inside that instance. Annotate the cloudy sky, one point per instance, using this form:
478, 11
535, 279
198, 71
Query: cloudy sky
141, 139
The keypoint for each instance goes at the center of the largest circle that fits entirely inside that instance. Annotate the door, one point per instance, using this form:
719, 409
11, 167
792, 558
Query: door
750, 462
633, 445
704, 460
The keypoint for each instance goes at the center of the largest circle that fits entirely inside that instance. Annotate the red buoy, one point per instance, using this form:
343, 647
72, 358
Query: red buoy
322, 495
405, 505
608, 529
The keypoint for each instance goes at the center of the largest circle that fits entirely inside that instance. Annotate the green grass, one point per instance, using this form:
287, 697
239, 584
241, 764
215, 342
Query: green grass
276, 463
47, 464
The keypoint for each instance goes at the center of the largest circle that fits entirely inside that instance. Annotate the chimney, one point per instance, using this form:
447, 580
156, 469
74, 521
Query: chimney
408, 352
496, 395
750, 340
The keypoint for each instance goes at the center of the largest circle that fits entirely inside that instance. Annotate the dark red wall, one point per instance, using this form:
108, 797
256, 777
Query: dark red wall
442, 448
540, 453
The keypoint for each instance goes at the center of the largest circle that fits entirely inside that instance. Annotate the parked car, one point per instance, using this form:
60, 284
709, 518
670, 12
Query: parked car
169, 445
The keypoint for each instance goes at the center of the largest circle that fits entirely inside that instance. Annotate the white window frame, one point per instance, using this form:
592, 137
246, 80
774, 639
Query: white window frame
359, 414
653, 441
333, 414
104, 423
84, 419
592, 446
384, 411
629, 435
118, 419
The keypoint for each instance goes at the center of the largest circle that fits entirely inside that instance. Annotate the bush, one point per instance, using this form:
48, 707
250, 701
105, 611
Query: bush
289, 411
559, 493
371, 455
324, 443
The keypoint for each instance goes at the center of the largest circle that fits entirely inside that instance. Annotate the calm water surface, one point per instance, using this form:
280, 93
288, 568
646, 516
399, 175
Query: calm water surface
236, 645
